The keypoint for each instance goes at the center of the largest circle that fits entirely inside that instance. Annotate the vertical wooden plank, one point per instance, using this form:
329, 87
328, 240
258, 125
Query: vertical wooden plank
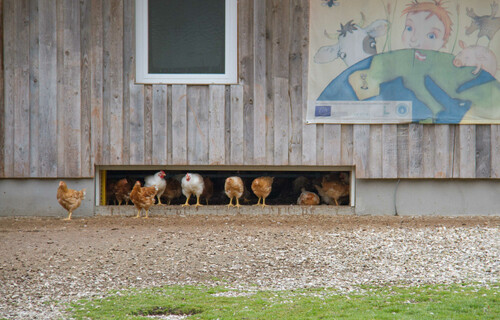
332, 144
128, 72
10, 52
148, 124
495, 151
309, 131
2, 96
455, 151
375, 152
137, 136
21, 91
113, 91
260, 83
34, 88
270, 16
281, 122
96, 80
47, 152
403, 149
237, 125
61, 164
347, 144
442, 156
246, 71
85, 34
389, 151
216, 149
197, 124
361, 149
169, 124
483, 151
280, 72
159, 125
71, 107
295, 75
320, 144
467, 151
179, 124
227, 124
416, 154
429, 151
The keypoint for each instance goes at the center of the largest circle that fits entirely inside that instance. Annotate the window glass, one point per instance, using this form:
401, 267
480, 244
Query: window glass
186, 36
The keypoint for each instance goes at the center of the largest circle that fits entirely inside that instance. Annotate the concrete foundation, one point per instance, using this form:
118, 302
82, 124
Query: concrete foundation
37, 197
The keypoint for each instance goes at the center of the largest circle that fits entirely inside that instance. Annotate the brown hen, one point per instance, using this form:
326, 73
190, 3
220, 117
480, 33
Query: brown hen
143, 198
262, 187
307, 198
69, 199
234, 188
173, 190
332, 190
208, 189
121, 190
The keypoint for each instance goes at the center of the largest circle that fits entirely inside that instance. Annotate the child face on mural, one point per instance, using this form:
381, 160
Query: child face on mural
423, 30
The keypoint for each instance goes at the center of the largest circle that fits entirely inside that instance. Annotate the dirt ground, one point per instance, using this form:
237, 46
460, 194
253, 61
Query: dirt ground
45, 262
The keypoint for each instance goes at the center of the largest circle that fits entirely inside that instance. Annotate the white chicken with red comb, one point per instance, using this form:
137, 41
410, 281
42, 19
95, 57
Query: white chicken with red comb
192, 183
157, 180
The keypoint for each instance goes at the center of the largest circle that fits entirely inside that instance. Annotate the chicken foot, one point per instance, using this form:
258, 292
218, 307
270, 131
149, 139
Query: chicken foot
258, 202
69, 216
198, 204
187, 201
231, 203
138, 214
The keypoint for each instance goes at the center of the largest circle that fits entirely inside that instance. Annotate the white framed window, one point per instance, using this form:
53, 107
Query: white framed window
186, 42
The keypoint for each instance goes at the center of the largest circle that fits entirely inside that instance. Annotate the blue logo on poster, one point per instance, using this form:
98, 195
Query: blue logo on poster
402, 110
323, 111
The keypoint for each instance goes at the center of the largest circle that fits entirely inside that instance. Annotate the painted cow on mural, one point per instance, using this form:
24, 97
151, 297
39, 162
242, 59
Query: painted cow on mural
354, 43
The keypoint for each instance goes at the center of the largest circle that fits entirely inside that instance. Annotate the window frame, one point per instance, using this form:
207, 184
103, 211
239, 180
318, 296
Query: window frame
142, 46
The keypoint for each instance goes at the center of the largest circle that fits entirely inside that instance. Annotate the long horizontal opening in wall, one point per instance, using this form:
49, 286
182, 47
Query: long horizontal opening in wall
333, 185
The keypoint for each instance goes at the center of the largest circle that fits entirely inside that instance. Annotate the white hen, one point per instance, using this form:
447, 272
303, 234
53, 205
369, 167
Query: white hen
192, 183
158, 181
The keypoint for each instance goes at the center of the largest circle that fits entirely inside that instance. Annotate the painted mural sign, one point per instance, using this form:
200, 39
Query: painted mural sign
401, 61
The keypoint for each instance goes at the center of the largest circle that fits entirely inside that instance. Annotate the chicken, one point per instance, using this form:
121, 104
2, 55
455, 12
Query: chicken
262, 187
308, 198
121, 190
69, 199
208, 189
173, 190
158, 181
332, 190
192, 183
143, 197
234, 188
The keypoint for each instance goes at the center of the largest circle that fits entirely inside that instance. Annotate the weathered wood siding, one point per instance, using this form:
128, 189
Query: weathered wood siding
69, 102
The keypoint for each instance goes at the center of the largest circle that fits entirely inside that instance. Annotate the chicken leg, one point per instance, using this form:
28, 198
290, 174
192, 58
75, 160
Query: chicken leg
187, 201
230, 203
138, 213
147, 214
258, 202
159, 202
69, 216
263, 202
198, 202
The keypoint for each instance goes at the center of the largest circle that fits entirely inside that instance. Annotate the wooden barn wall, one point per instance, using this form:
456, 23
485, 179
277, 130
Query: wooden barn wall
70, 101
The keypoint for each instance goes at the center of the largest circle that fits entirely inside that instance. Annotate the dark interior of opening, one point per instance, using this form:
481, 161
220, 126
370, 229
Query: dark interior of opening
286, 187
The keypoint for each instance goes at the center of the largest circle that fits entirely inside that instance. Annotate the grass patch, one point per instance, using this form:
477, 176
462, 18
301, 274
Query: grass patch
199, 302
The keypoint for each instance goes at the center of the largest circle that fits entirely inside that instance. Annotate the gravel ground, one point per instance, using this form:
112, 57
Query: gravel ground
47, 262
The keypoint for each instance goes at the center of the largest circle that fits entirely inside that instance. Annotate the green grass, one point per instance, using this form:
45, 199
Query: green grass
426, 302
